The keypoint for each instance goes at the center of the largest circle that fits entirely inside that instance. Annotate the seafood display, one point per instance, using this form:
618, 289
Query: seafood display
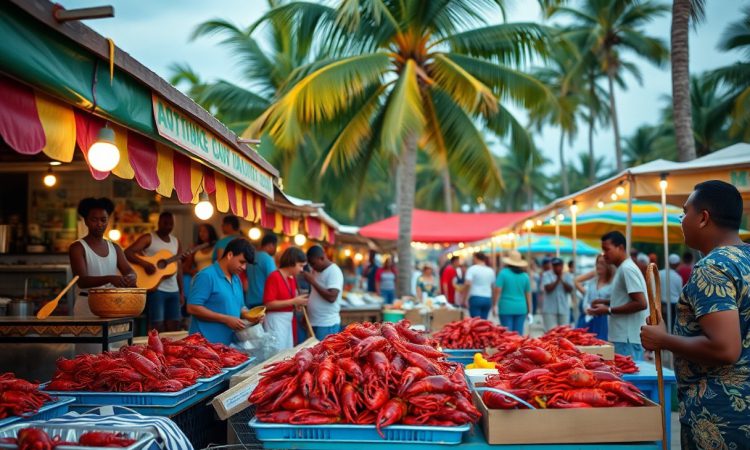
578, 336
20, 397
381, 374
36, 439
625, 364
163, 365
553, 373
475, 333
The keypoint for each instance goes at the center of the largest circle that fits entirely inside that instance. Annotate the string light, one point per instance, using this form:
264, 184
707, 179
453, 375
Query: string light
600, 204
103, 154
114, 235
574, 207
300, 240
561, 217
254, 233
358, 257
613, 197
50, 179
663, 182
620, 190
347, 252
204, 209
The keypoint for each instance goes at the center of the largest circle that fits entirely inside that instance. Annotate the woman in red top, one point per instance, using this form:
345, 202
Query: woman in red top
280, 297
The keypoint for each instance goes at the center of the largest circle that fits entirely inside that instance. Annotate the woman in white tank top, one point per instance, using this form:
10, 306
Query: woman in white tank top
97, 261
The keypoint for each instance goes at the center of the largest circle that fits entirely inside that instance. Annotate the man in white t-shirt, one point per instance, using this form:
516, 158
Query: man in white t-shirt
627, 306
480, 282
557, 288
327, 285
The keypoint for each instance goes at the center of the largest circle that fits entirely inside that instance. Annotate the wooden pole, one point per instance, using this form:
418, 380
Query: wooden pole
653, 286
96, 12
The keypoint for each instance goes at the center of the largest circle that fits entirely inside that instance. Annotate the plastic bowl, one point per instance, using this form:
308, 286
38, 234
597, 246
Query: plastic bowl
112, 303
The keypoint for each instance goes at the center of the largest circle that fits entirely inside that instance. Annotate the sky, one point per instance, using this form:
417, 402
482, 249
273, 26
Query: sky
157, 33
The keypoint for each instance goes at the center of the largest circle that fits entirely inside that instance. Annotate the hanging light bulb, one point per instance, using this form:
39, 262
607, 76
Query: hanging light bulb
103, 154
204, 209
539, 222
620, 190
114, 234
358, 257
574, 207
560, 217
600, 204
347, 252
254, 233
50, 179
300, 240
613, 197
663, 183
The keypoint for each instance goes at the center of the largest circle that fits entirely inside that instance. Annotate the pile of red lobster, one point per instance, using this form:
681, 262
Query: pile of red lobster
36, 439
625, 364
163, 365
379, 374
578, 336
19, 397
475, 333
555, 374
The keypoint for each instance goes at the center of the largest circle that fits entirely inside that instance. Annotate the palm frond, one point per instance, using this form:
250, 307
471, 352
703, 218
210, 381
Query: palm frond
466, 90
509, 43
403, 109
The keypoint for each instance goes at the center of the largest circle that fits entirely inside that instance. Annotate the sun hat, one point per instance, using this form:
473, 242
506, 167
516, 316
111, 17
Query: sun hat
514, 259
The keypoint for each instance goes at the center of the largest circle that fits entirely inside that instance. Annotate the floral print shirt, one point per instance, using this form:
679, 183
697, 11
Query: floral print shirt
715, 400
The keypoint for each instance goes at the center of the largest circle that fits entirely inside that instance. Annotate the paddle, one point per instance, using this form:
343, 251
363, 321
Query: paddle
50, 306
653, 285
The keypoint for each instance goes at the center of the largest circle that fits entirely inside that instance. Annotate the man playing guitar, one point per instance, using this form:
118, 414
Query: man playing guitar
163, 303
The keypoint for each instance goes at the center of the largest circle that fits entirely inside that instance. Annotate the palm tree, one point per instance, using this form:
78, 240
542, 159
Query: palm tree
561, 110
525, 181
609, 28
408, 75
682, 11
737, 76
646, 144
711, 107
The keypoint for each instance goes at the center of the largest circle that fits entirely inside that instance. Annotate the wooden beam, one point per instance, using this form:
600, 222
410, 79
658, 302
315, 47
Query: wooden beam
97, 12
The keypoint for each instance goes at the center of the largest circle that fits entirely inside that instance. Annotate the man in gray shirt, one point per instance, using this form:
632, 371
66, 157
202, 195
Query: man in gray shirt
557, 286
627, 306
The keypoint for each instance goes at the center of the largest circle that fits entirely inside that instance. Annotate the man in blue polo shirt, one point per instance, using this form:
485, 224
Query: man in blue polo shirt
216, 297
258, 273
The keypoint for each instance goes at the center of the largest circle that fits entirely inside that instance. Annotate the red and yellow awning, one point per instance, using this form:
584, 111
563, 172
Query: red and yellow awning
32, 123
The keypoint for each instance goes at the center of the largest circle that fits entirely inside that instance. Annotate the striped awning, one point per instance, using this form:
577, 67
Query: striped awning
32, 123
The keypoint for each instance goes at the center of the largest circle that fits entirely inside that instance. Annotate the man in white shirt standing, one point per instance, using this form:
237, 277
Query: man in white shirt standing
675, 286
480, 283
627, 306
557, 287
327, 283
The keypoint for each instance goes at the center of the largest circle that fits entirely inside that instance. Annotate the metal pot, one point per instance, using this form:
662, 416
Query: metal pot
20, 308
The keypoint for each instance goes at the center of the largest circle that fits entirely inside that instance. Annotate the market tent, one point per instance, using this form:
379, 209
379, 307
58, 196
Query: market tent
647, 222
548, 244
441, 227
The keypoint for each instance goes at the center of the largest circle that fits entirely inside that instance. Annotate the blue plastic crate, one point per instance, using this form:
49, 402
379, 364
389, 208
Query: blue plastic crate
164, 399
49, 410
205, 384
359, 433
229, 371
451, 352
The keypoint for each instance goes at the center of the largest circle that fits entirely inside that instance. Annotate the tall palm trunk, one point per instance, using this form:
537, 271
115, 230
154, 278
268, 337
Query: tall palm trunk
447, 189
683, 119
615, 123
407, 175
592, 116
563, 168
529, 195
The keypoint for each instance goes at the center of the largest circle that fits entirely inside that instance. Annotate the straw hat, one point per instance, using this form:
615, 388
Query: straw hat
514, 259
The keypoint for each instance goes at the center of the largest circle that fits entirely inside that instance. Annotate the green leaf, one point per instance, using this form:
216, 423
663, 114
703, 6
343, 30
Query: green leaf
404, 114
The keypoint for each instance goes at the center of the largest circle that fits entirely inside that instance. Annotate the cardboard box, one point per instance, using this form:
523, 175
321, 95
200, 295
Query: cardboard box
417, 317
605, 351
443, 316
570, 426
234, 400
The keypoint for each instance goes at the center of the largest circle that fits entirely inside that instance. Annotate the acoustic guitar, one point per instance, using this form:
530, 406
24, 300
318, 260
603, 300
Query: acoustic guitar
166, 266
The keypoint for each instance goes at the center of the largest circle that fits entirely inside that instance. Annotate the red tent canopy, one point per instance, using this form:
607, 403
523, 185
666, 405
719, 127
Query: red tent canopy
439, 227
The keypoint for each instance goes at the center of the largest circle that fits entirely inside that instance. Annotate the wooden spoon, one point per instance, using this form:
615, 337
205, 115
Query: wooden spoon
47, 309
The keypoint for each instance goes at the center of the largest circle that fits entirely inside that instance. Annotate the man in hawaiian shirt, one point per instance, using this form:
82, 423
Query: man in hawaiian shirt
711, 343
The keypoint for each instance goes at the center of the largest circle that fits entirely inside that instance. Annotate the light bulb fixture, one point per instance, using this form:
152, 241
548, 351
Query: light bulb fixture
49, 179
204, 209
574, 207
347, 252
358, 257
663, 182
55, 163
620, 190
114, 235
103, 154
539, 222
461, 245
600, 204
613, 197
560, 217
300, 240
254, 233
528, 224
